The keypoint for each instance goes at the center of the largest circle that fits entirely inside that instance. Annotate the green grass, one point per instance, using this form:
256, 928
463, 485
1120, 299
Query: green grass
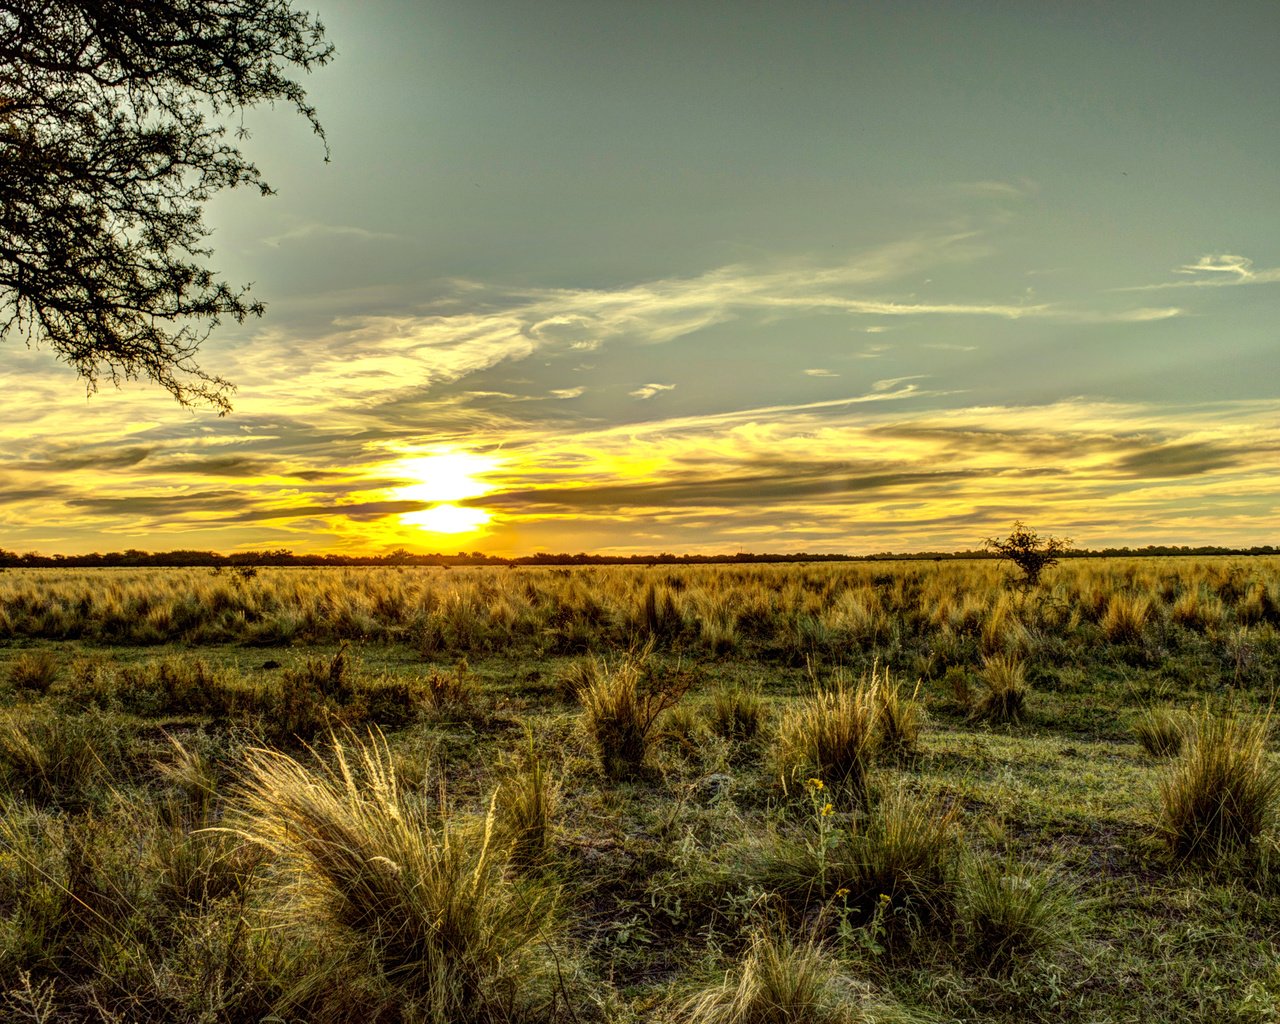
1064, 864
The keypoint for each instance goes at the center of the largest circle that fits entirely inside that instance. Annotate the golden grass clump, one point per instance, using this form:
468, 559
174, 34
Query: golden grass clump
620, 707
1220, 795
527, 806
420, 900
781, 981
832, 733
1161, 732
1007, 690
1010, 910
1125, 617
34, 671
737, 712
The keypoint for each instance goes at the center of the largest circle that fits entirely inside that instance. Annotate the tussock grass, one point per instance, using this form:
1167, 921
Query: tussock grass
52, 759
1005, 699
1220, 794
900, 718
1009, 910
1161, 732
832, 733
737, 713
423, 900
898, 860
34, 671
1125, 617
620, 709
528, 805
781, 980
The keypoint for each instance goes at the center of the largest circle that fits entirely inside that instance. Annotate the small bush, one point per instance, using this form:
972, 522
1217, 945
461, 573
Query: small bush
422, 899
34, 671
1220, 795
1009, 910
620, 709
1007, 689
1162, 731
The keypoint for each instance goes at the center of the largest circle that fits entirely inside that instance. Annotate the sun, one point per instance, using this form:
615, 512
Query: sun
446, 476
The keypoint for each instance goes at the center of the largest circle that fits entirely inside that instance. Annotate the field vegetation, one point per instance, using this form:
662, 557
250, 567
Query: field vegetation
909, 791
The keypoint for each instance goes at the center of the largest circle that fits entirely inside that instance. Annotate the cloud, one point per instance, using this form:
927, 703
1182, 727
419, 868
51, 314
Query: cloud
649, 390
318, 229
1214, 271
564, 393
817, 372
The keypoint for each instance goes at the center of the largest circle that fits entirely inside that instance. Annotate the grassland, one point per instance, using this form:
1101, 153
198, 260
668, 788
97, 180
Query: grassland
841, 792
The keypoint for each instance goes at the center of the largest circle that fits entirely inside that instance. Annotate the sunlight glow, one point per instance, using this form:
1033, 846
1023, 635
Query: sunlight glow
447, 519
445, 476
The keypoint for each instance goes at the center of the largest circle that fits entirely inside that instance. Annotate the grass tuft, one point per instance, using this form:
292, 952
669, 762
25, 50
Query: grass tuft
1009, 910
1219, 796
34, 671
1161, 732
1007, 690
834, 734
620, 713
422, 899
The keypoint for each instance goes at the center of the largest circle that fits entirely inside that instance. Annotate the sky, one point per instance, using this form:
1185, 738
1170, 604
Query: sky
712, 277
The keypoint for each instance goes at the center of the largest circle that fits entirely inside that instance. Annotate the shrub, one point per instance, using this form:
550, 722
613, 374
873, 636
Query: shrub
1025, 549
422, 899
1008, 910
1162, 731
34, 671
1220, 794
620, 708
1007, 689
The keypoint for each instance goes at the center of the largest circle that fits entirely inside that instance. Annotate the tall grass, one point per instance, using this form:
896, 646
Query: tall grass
420, 899
1220, 794
620, 707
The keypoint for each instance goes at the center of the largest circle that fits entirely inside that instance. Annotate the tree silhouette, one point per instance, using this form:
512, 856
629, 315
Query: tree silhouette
113, 134
1025, 549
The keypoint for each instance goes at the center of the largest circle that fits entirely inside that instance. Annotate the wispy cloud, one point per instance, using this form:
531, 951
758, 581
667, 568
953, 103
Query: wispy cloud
317, 229
819, 372
647, 391
1213, 271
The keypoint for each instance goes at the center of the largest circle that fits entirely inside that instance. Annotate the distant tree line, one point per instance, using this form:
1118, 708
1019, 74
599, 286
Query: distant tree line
283, 557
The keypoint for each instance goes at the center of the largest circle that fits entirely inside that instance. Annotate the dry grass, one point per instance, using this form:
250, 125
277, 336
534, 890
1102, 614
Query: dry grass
1009, 911
422, 899
1161, 732
1007, 690
784, 981
832, 733
1220, 795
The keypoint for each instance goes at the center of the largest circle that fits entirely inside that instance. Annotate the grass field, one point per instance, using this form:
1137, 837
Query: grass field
844, 792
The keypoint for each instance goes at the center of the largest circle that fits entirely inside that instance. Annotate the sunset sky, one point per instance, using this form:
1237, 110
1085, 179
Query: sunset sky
708, 277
